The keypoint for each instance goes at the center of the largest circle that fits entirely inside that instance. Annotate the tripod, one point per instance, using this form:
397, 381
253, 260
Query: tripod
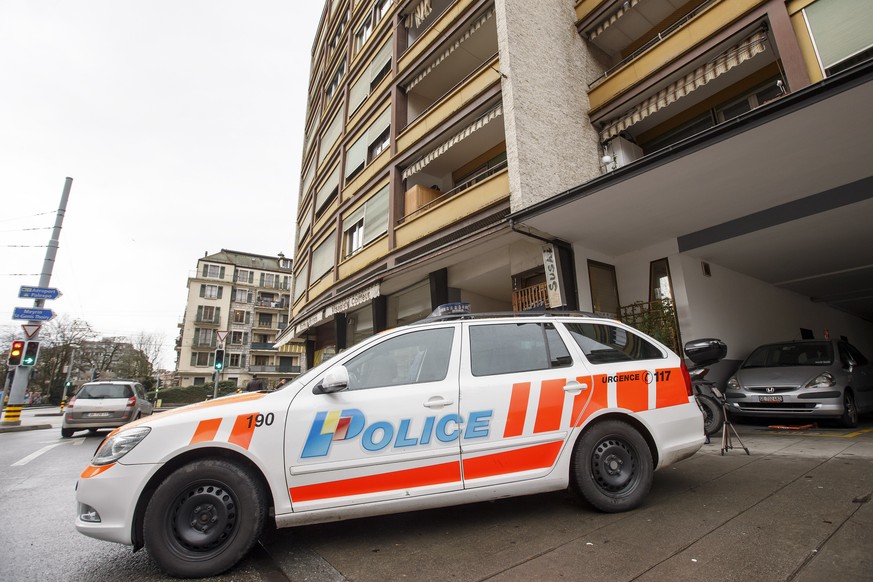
727, 438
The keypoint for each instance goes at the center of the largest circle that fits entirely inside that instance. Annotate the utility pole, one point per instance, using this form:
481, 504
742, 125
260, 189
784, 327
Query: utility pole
12, 413
67, 381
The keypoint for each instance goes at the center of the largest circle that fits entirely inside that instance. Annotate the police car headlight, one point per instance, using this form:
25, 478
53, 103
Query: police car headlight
119, 445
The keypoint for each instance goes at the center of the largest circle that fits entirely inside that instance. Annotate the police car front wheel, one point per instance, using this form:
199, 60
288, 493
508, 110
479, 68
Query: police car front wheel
203, 518
612, 466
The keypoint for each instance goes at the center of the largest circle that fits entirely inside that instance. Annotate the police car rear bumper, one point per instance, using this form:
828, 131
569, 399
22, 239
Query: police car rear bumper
106, 502
678, 430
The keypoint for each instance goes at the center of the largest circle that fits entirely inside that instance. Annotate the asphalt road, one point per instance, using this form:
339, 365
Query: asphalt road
798, 508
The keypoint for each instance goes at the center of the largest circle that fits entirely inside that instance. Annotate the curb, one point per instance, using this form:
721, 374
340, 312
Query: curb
24, 427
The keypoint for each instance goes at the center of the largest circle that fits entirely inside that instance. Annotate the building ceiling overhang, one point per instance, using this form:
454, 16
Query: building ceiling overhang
783, 194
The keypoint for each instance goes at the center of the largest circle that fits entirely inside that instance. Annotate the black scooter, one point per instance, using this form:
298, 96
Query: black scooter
706, 352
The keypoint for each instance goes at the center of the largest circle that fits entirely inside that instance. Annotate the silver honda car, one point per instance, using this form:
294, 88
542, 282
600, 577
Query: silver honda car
803, 379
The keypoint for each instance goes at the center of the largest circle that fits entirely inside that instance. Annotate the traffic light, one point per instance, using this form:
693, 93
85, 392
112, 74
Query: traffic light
219, 360
68, 384
15, 353
31, 351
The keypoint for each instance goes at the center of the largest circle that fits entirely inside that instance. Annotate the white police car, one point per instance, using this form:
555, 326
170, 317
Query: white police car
452, 410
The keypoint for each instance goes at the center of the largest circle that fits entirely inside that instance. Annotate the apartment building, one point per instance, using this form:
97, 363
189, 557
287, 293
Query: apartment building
615, 156
245, 299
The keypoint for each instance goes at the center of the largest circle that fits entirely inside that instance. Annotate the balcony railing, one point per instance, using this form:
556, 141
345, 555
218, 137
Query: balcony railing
533, 297
465, 185
263, 346
657, 39
279, 369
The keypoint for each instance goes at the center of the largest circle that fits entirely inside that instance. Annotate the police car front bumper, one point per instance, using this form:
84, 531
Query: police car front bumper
106, 501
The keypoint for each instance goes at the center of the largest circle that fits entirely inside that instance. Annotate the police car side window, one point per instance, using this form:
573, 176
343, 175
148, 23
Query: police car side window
505, 348
605, 344
412, 358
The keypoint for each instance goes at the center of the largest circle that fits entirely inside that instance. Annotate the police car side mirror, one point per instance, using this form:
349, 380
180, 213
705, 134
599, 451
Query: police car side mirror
336, 379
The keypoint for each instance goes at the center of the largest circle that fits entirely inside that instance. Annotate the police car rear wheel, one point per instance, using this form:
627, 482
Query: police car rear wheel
612, 466
203, 518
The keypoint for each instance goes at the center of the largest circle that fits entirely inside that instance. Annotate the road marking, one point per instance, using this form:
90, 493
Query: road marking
45, 449
34, 455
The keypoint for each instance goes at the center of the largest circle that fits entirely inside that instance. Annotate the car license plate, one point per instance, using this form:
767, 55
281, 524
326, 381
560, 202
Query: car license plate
769, 399
97, 414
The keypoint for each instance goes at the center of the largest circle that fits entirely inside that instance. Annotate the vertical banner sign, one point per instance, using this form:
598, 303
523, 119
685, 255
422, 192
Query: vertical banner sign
552, 267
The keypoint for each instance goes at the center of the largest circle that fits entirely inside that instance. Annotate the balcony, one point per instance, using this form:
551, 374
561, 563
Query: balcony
266, 304
262, 346
274, 369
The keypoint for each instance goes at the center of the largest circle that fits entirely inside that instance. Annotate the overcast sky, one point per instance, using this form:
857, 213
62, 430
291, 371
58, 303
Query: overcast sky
181, 124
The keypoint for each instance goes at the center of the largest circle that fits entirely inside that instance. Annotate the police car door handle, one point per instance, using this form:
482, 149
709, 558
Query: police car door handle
437, 402
573, 386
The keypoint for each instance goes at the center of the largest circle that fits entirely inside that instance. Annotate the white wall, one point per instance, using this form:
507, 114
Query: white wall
743, 311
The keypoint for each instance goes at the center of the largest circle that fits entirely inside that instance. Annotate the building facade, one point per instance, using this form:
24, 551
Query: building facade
245, 298
625, 157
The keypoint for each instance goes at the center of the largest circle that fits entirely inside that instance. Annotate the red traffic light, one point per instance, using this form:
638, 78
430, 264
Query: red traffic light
15, 353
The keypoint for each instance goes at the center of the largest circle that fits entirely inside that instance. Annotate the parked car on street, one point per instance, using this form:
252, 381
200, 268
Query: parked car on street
803, 379
456, 409
107, 404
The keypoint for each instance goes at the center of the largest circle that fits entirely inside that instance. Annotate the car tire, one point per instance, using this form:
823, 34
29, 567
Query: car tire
67, 433
203, 518
849, 419
612, 466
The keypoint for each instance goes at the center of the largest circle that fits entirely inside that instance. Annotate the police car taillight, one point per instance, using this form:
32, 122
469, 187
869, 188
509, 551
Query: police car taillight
687, 377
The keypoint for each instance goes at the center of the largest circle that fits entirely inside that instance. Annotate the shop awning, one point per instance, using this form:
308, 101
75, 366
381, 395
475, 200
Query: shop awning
455, 139
450, 49
292, 347
737, 54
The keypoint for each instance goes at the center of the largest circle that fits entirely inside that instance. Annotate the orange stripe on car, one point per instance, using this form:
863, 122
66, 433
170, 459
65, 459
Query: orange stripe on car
599, 387
517, 409
243, 430
551, 405
526, 459
633, 394
93, 471
408, 478
671, 388
205, 431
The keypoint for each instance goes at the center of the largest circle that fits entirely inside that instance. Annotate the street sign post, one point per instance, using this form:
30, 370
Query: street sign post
25, 292
33, 314
30, 329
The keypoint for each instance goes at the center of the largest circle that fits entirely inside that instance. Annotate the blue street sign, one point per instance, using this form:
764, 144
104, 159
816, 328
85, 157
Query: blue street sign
31, 314
38, 292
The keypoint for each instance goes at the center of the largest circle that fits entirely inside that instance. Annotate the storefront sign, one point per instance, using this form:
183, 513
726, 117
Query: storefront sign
552, 266
353, 301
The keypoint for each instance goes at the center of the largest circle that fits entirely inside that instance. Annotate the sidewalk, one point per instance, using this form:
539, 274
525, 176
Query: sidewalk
32, 418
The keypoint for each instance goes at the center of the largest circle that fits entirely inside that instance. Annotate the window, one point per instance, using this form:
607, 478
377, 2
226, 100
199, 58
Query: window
506, 348
213, 271
269, 280
201, 359
208, 314
353, 238
412, 358
378, 146
605, 344
335, 80
331, 134
660, 287
233, 360
367, 223
327, 192
323, 258
303, 224
762, 94
842, 32
371, 77
363, 33
245, 276
238, 338
338, 33
374, 139
300, 284
239, 316
265, 320
211, 291
242, 296
604, 289
203, 338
